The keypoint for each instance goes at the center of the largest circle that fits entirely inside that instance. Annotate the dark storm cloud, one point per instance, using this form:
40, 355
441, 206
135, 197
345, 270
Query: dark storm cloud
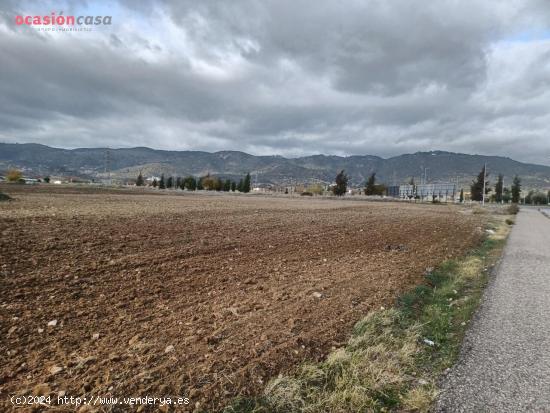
289, 77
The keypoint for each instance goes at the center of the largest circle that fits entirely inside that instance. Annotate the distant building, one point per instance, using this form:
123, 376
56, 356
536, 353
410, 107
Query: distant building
407, 191
393, 191
442, 191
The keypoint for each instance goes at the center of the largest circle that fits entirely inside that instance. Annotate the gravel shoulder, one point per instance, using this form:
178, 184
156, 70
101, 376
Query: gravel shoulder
505, 363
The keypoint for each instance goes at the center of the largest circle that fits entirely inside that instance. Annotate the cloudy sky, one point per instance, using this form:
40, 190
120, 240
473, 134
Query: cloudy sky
294, 77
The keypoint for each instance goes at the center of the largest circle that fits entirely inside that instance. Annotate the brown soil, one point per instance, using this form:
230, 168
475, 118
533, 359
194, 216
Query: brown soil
242, 287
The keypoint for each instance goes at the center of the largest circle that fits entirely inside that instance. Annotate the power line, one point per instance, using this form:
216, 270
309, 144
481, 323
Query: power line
108, 165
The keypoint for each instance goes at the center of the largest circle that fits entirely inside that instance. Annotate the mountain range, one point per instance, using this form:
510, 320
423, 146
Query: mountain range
125, 164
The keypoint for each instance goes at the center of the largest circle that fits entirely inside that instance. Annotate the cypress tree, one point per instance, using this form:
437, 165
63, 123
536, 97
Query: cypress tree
227, 185
218, 184
246, 183
162, 185
499, 188
139, 180
370, 187
516, 189
476, 187
341, 184
189, 183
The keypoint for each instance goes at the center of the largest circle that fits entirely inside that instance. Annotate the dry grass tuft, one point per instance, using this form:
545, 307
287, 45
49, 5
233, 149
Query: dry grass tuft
364, 376
419, 399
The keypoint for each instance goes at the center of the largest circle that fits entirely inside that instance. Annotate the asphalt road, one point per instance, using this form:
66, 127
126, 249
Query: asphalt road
505, 361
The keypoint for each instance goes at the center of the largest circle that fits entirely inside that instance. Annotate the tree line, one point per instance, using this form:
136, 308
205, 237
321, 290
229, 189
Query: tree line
371, 187
192, 183
501, 193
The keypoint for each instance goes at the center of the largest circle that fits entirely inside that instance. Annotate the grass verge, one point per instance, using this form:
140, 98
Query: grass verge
395, 356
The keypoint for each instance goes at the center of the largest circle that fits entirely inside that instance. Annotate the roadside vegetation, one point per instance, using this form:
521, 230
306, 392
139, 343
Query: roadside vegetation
395, 356
4, 197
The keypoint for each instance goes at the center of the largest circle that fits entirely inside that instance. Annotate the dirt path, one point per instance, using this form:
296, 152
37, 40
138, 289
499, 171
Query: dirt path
505, 364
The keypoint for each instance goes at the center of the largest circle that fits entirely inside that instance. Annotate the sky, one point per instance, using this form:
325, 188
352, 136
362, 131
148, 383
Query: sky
287, 77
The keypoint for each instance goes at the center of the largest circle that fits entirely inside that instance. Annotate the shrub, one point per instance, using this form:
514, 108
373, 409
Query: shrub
316, 189
510, 221
306, 193
14, 175
5, 197
513, 209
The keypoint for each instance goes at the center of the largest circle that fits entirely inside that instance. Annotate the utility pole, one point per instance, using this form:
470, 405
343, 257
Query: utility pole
484, 179
108, 166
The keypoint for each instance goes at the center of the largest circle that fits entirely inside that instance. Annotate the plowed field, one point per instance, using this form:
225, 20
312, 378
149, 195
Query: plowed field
199, 296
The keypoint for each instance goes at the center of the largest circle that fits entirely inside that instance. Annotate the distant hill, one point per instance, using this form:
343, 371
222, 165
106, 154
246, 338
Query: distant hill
125, 164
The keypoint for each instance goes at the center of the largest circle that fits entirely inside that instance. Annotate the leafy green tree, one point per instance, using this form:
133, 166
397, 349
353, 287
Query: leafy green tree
246, 183
155, 183
499, 188
506, 195
516, 189
189, 183
218, 184
341, 184
162, 184
536, 198
47, 179
461, 199
240, 186
370, 187
211, 183
200, 186
233, 186
139, 180
178, 182
529, 197
170, 182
